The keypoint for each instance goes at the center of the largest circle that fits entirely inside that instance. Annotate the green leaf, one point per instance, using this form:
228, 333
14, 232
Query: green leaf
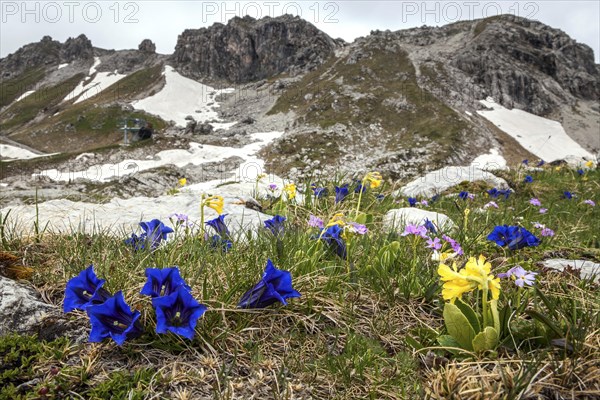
470, 314
458, 326
545, 320
486, 340
361, 218
414, 343
448, 341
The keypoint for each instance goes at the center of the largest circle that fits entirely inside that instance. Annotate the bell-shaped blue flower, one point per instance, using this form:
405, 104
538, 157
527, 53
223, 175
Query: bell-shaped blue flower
178, 312
162, 282
83, 290
430, 226
275, 286
218, 242
515, 237
332, 236
340, 193
463, 195
154, 232
412, 201
114, 319
319, 192
276, 225
218, 224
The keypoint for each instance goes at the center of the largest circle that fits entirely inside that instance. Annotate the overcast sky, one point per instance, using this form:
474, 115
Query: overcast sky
123, 25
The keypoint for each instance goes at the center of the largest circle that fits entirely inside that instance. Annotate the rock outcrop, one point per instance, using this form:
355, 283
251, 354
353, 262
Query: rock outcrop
147, 46
45, 53
248, 50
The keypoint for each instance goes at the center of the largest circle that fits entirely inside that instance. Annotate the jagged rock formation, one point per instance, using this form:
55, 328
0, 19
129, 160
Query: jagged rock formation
147, 46
247, 49
519, 62
45, 53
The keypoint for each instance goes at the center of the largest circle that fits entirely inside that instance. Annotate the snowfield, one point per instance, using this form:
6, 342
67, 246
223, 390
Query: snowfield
86, 88
27, 93
542, 137
197, 154
16, 153
181, 97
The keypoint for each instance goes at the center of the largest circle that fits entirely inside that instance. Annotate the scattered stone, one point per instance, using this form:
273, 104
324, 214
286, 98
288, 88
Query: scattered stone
21, 310
438, 181
397, 219
587, 269
248, 120
204, 129
147, 46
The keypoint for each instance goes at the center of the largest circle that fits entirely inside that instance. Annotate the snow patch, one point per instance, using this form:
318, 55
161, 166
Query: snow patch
27, 93
491, 161
469, 113
542, 137
17, 153
196, 154
181, 97
61, 66
90, 87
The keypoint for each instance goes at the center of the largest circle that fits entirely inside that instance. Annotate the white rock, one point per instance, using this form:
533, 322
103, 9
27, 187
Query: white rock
20, 308
397, 219
588, 269
442, 179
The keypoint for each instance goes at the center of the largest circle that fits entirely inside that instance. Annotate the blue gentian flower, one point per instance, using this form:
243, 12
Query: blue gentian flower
567, 195
542, 162
178, 312
341, 193
430, 226
218, 224
434, 198
528, 179
162, 282
380, 197
319, 192
114, 319
359, 186
276, 225
463, 195
526, 161
332, 236
412, 201
154, 232
84, 290
580, 171
224, 244
515, 237
275, 286
494, 193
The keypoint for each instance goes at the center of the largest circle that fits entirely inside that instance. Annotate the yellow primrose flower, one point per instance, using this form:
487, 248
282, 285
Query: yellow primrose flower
480, 270
475, 274
589, 164
455, 283
182, 181
374, 179
290, 190
214, 202
260, 177
337, 219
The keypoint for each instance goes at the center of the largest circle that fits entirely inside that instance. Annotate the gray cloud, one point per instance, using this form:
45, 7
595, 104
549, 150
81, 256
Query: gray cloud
123, 25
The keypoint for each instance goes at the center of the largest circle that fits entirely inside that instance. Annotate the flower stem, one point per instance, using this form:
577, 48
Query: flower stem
484, 300
360, 192
202, 217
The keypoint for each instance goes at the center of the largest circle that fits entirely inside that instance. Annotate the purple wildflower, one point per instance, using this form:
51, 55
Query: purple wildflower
535, 202
491, 204
434, 243
547, 232
590, 202
521, 276
543, 210
315, 222
455, 245
415, 230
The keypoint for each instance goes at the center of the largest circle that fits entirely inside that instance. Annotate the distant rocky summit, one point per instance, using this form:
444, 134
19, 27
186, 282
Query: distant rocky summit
248, 50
